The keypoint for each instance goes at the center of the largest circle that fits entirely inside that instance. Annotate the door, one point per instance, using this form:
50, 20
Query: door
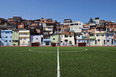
47, 43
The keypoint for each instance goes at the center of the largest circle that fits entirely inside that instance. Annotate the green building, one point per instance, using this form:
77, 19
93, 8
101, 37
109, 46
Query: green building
15, 38
55, 39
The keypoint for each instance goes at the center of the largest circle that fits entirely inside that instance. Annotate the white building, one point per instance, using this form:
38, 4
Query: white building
24, 37
100, 36
37, 39
97, 21
75, 26
48, 27
67, 40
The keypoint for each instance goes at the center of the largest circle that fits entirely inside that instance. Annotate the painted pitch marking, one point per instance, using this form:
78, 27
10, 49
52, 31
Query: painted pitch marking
58, 63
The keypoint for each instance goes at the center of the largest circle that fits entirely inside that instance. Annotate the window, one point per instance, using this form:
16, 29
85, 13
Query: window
78, 35
97, 35
6, 37
76, 24
9, 40
70, 42
104, 41
102, 35
66, 35
91, 34
115, 32
14, 40
10, 36
66, 40
107, 35
6, 41
95, 41
79, 27
107, 40
98, 39
36, 38
20, 38
112, 41
53, 38
41, 39
70, 35
24, 38
71, 28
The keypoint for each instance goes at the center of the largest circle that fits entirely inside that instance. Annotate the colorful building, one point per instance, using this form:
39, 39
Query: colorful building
24, 37
6, 37
67, 39
92, 40
55, 39
100, 35
115, 38
46, 41
76, 26
15, 38
110, 39
36, 39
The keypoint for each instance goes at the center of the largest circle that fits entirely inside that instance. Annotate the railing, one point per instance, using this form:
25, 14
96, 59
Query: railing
2, 40
100, 31
24, 35
92, 37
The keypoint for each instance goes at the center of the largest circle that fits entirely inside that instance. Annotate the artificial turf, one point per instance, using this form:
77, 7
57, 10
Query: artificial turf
96, 62
20, 62
42, 62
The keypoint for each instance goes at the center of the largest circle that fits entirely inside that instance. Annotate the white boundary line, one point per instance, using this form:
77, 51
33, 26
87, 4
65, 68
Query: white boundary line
58, 63
85, 49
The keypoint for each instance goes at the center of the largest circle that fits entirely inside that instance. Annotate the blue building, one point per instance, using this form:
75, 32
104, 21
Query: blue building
46, 41
115, 38
6, 37
110, 39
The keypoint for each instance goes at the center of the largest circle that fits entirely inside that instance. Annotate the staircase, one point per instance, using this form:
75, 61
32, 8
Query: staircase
2, 42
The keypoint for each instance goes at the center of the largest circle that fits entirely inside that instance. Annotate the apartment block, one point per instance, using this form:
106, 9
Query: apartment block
6, 37
24, 37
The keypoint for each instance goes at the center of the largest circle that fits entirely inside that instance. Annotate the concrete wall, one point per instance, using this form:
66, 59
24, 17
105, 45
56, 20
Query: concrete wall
100, 39
36, 38
15, 38
24, 37
69, 39
109, 39
55, 39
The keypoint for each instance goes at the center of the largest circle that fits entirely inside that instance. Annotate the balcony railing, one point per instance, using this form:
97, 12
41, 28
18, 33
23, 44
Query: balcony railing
100, 31
92, 37
24, 35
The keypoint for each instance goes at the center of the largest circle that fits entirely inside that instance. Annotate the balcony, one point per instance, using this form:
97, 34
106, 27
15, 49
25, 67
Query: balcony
85, 37
49, 29
100, 31
24, 31
92, 37
46, 40
24, 35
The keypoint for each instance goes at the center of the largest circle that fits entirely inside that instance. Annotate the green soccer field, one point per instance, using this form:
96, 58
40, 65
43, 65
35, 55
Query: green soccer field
42, 61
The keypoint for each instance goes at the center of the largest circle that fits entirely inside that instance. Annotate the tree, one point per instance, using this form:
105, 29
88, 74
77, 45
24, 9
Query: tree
90, 21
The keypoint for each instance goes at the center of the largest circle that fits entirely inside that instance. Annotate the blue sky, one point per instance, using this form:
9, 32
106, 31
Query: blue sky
77, 10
